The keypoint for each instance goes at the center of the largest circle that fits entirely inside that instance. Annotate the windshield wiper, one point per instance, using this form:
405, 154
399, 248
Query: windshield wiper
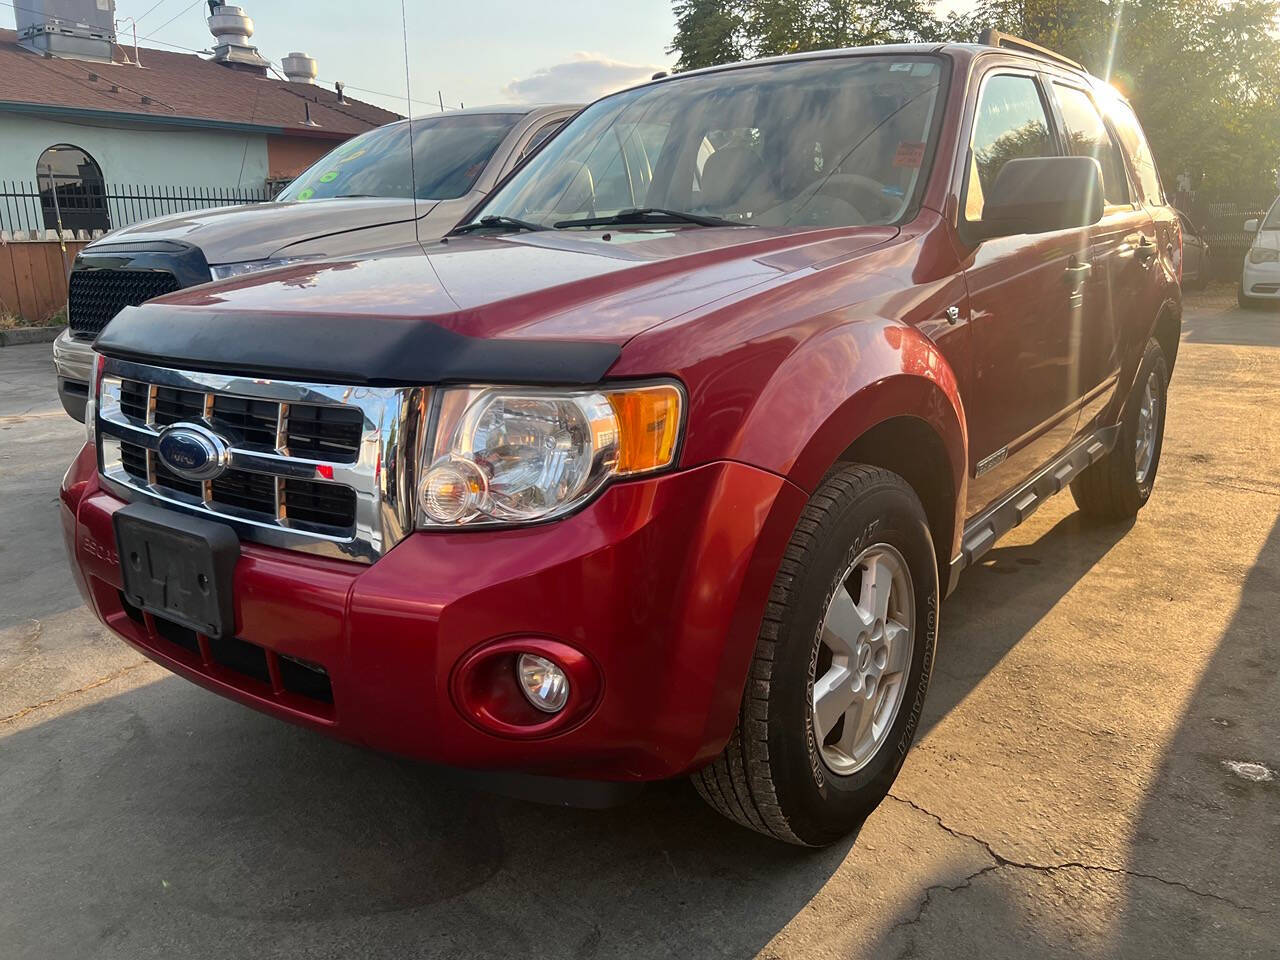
495, 222
649, 215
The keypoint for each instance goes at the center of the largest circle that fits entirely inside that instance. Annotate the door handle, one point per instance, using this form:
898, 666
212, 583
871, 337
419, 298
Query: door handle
1076, 273
1146, 250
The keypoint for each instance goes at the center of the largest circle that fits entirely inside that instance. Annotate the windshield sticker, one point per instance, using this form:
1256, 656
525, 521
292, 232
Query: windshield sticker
329, 177
306, 194
900, 67
909, 154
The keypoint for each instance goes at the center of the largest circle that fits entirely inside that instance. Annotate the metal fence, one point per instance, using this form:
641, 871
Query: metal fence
31, 208
1220, 221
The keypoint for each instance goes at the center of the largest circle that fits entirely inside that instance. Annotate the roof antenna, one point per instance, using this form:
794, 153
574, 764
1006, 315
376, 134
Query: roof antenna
408, 99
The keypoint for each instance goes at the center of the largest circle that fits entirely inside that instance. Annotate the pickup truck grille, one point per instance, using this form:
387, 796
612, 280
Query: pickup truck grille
309, 466
94, 297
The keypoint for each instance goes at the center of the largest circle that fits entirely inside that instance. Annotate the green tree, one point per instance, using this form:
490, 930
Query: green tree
708, 32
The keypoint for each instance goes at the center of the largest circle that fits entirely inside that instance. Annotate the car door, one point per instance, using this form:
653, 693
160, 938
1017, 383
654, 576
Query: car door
1026, 301
1192, 250
1118, 252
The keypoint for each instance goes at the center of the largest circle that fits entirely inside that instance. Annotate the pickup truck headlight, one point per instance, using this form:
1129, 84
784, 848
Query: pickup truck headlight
1263, 255
503, 455
222, 271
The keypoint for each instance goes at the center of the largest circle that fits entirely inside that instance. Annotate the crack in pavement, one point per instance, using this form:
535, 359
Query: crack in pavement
1001, 861
72, 693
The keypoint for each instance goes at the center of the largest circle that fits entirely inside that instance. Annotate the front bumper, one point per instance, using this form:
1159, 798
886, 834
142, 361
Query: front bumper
73, 360
1261, 280
661, 583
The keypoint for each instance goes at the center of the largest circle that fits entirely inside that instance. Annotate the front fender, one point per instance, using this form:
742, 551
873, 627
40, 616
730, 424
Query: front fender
842, 384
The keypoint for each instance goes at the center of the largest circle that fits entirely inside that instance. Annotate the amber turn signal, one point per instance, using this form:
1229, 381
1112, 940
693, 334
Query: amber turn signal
648, 427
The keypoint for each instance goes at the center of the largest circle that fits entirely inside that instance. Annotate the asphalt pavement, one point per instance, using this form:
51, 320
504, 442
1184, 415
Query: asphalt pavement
1097, 775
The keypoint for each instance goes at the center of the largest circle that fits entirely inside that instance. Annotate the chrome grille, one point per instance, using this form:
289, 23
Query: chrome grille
312, 467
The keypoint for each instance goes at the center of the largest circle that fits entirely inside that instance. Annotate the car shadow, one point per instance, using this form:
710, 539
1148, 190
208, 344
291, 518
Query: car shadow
1229, 325
1218, 788
166, 818
998, 602
165, 812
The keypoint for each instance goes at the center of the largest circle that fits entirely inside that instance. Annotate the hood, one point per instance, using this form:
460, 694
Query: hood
391, 317
257, 231
1267, 239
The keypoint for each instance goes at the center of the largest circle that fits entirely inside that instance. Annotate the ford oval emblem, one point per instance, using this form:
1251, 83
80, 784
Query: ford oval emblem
191, 451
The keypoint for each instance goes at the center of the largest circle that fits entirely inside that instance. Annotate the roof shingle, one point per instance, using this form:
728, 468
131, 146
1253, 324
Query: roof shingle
182, 87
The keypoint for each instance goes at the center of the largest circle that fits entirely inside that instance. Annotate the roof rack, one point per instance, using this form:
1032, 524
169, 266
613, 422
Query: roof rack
998, 38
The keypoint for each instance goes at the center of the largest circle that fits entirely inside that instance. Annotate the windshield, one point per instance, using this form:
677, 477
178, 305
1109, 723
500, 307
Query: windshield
449, 154
1272, 222
829, 142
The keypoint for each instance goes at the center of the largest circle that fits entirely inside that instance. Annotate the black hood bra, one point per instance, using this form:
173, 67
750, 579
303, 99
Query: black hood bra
335, 349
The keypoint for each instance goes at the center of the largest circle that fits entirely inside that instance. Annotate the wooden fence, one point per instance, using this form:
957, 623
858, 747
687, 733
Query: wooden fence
33, 278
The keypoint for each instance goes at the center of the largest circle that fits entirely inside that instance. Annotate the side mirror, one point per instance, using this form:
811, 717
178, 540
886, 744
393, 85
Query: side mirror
1251, 225
1039, 194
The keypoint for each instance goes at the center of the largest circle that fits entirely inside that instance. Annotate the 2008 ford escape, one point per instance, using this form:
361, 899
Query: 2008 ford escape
663, 462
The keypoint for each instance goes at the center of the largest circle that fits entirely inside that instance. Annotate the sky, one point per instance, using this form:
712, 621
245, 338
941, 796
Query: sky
474, 53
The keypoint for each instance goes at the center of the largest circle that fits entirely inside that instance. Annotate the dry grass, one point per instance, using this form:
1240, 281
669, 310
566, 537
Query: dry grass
9, 321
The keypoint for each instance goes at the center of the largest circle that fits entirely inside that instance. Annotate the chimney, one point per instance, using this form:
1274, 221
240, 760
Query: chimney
232, 28
80, 29
299, 68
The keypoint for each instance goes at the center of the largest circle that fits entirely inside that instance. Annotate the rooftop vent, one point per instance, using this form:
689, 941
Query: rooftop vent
232, 28
299, 68
82, 29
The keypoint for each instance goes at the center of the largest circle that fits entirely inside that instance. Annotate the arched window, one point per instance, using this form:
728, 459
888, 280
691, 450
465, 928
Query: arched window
71, 189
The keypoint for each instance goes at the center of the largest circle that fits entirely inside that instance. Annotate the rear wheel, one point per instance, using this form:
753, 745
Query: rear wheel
841, 665
1118, 485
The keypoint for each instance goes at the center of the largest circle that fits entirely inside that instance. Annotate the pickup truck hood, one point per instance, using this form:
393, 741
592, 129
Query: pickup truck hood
387, 318
257, 231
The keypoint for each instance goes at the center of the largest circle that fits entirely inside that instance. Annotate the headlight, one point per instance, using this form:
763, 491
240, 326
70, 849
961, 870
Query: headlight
1263, 255
502, 455
222, 271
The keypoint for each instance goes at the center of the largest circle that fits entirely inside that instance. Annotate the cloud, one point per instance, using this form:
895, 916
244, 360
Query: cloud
579, 80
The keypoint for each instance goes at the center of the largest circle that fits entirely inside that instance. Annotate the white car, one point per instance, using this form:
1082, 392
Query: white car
358, 198
1260, 279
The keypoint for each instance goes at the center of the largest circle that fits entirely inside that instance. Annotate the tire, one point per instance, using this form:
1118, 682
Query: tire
775, 775
1117, 486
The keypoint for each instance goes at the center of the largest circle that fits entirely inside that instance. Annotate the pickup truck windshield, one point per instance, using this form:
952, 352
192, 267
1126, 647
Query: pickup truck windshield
449, 154
829, 142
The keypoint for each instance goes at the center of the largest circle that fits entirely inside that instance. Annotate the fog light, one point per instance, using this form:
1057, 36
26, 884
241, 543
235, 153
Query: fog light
543, 683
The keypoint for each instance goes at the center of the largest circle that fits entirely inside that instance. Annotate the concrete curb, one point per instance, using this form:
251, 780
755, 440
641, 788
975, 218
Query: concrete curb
22, 335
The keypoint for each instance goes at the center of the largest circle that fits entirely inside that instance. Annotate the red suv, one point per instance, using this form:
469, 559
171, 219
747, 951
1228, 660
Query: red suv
664, 460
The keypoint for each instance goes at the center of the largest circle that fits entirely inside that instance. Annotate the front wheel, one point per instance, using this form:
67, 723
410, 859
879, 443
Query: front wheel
1119, 485
841, 666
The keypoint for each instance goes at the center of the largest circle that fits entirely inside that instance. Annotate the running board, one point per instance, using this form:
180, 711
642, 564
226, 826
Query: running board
982, 532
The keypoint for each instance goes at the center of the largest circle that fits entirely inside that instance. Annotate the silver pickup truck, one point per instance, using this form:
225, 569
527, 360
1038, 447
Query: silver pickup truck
358, 198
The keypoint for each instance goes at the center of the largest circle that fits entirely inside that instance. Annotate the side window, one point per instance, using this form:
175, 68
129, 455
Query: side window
538, 138
1010, 123
1135, 144
1087, 136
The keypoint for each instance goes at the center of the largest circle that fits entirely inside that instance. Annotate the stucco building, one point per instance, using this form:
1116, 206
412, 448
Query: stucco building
80, 113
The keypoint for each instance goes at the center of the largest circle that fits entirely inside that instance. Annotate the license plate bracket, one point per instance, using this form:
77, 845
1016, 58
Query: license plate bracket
178, 567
